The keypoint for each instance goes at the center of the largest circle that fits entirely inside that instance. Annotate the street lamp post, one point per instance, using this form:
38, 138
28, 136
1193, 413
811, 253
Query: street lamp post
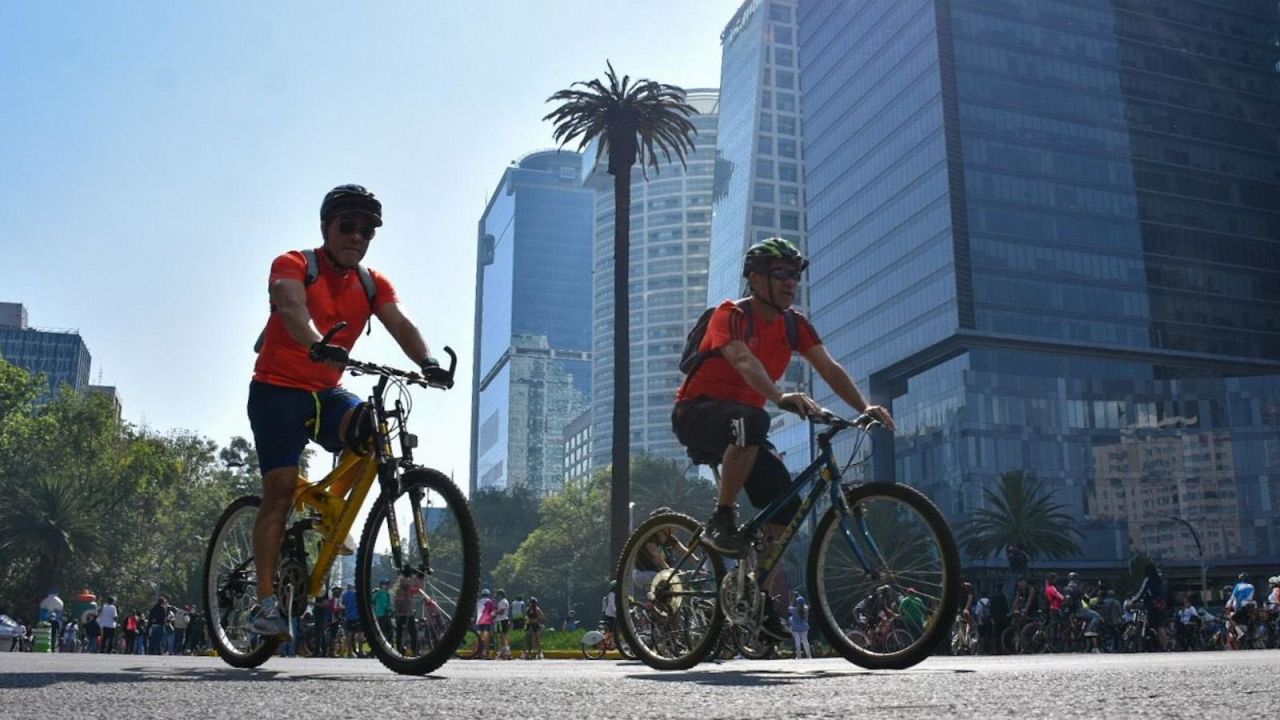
1204, 571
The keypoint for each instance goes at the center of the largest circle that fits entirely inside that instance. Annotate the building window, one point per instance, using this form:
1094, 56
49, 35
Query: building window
762, 216
779, 12
764, 169
788, 172
763, 193
784, 57
765, 145
786, 125
786, 102
790, 220
766, 122
782, 34
786, 148
766, 99
788, 196
784, 79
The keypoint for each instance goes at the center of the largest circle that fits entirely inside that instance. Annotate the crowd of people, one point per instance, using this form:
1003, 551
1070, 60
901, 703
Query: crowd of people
1092, 617
164, 629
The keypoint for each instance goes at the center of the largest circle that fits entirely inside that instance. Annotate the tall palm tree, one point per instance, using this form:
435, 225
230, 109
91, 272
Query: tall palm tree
1020, 510
631, 121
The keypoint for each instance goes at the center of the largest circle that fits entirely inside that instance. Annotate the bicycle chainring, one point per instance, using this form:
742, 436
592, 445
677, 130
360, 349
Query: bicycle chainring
740, 599
292, 580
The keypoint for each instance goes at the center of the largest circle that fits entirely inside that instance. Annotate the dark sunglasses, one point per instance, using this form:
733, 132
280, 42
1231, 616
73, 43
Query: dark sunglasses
783, 274
346, 227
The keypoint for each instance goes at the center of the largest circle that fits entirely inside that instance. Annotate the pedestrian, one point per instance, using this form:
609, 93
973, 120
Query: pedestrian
486, 608
799, 611
92, 632
517, 613
51, 611
337, 614
140, 641
351, 617
382, 608
107, 622
609, 610
157, 617
502, 625
130, 632
534, 620
408, 590
320, 624
181, 621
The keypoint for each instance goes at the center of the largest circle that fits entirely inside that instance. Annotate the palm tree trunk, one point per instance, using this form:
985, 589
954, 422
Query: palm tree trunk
620, 485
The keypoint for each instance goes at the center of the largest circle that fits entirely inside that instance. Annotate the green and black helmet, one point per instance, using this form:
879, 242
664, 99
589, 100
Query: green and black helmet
774, 248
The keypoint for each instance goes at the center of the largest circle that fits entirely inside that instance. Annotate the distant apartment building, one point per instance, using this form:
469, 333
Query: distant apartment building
577, 447
532, 367
759, 171
1045, 233
60, 355
670, 234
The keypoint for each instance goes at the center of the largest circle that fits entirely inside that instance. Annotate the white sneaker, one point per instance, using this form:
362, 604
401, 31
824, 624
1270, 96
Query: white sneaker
269, 621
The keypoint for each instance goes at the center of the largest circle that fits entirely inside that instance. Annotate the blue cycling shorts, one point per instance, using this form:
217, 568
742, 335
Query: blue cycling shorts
285, 419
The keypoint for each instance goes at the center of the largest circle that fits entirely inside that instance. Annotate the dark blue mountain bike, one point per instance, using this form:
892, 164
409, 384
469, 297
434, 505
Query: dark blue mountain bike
882, 565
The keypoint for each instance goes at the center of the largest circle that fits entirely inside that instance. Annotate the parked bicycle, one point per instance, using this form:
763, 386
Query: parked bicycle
596, 643
441, 550
873, 535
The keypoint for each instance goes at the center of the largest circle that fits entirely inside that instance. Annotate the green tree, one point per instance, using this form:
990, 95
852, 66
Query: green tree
503, 521
659, 482
1021, 509
631, 121
563, 561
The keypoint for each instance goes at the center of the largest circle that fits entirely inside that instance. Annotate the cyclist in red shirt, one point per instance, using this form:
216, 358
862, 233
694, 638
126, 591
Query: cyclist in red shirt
720, 406
295, 396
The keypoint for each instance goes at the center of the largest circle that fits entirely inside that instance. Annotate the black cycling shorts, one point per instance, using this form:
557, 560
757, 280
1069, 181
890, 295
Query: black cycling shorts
285, 419
709, 426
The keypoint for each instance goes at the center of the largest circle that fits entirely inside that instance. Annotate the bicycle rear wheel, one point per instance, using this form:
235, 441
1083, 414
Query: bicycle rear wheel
230, 587
593, 645
670, 616
894, 538
439, 558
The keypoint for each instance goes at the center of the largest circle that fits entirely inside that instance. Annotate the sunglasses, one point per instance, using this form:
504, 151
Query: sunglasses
346, 227
783, 274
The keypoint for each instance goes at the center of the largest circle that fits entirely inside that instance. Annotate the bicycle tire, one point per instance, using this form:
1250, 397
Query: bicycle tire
593, 651
1009, 640
230, 600
752, 647
1033, 640
454, 558
624, 648
914, 531
469, 648
681, 624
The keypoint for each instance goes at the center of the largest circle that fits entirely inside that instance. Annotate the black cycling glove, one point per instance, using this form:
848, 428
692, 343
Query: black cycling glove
434, 374
321, 352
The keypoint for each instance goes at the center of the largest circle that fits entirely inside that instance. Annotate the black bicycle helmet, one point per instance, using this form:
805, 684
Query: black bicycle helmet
351, 198
775, 248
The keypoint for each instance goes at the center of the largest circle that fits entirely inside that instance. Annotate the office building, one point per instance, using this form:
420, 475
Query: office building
1046, 235
60, 355
759, 172
670, 231
532, 367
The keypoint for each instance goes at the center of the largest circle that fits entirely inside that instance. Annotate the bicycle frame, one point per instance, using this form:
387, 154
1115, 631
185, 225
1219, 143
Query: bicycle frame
825, 475
338, 497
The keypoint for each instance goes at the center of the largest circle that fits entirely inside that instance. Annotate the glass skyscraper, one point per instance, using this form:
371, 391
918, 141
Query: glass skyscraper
1047, 232
61, 356
532, 367
670, 234
759, 177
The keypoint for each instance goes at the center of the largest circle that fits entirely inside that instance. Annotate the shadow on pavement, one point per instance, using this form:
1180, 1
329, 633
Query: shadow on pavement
137, 675
770, 678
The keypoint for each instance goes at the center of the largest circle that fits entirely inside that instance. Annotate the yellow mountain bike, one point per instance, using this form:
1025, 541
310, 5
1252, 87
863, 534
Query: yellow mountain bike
439, 558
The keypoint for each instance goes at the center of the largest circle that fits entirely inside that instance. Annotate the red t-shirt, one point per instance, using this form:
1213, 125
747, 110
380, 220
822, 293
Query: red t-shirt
335, 295
717, 378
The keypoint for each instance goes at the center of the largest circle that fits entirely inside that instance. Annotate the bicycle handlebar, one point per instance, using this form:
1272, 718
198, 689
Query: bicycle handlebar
363, 368
826, 417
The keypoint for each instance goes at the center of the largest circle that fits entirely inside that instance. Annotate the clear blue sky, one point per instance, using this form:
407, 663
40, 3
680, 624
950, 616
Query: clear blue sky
155, 156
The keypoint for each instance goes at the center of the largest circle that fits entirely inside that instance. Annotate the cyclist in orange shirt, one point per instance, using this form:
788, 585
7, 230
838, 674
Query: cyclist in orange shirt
296, 396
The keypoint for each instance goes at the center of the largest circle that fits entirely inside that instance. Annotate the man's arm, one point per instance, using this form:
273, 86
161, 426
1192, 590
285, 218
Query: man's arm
839, 380
289, 297
404, 331
749, 367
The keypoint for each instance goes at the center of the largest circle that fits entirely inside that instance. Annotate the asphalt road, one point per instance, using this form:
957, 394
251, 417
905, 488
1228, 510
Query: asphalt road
1184, 685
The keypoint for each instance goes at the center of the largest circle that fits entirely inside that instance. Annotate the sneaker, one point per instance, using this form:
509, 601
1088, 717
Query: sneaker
771, 625
269, 621
722, 534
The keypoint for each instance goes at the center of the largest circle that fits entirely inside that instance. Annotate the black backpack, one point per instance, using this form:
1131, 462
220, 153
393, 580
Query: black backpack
692, 358
313, 272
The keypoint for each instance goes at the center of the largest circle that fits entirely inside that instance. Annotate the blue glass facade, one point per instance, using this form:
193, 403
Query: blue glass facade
62, 357
759, 178
1046, 232
533, 330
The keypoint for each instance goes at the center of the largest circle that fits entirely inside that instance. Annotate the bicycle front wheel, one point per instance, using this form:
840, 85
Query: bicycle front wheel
668, 598
230, 587
892, 546
435, 576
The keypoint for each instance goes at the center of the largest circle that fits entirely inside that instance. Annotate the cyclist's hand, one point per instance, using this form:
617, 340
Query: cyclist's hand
434, 374
335, 354
799, 403
881, 414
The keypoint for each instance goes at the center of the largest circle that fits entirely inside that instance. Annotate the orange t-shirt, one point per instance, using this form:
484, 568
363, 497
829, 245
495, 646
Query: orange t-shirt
336, 295
718, 379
